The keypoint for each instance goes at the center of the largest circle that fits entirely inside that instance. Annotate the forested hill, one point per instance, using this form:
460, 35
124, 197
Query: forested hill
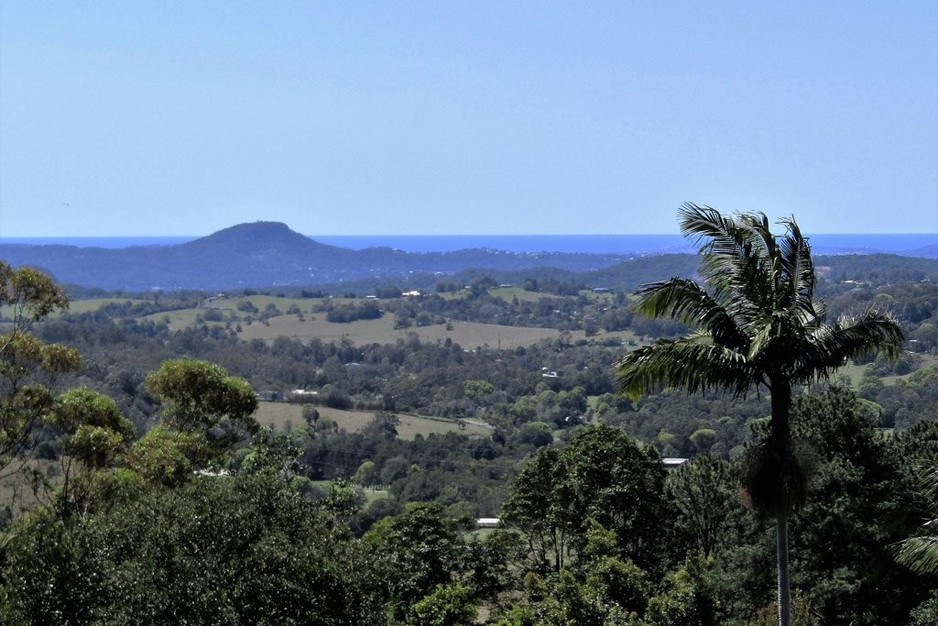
264, 254
269, 254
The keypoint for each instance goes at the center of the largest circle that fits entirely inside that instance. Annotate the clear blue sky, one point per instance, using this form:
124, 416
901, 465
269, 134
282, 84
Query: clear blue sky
440, 117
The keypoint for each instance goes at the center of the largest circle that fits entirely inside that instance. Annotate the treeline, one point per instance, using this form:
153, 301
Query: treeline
594, 531
548, 382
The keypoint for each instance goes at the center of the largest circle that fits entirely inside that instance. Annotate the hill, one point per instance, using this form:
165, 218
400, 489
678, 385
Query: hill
270, 254
264, 254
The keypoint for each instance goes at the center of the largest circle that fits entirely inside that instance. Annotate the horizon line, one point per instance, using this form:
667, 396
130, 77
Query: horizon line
630, 234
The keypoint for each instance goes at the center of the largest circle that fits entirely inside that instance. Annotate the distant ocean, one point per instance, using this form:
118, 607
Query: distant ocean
598, 244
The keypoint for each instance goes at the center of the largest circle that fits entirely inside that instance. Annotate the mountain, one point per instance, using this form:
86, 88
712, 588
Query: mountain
925, 252
264, 254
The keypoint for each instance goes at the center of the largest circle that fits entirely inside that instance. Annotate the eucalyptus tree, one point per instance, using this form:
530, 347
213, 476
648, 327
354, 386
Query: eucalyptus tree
29, 366
755, 325
93, 435
205, 412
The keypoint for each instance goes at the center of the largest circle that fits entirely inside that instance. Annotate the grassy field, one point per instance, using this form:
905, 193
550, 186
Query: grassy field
179, 319
927, 359
510, 293
283, 416
282, 303
16, 491
469, 335
305, 305
81, 306
370, 493
855, 372
88, 306
625, 337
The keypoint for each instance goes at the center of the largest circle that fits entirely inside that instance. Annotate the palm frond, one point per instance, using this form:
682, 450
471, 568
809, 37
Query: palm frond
929, 483
831, 345
795, 254
919, 554
686, 301
765, 283
757, 314
724, 242
705, 223
759, 234
738, 256
762, 330
820, 312
693, 363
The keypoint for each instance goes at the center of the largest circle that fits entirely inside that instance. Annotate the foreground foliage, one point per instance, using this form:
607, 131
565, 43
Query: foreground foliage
639, 546
245, 549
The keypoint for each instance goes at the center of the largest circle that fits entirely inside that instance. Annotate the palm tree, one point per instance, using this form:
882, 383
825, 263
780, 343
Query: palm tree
920, 553
755, 325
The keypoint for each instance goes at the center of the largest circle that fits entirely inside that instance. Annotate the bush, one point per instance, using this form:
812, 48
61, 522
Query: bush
448, 605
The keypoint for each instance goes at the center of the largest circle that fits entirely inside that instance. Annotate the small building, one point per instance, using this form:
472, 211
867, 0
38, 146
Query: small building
488, 522
301, 395
673, 462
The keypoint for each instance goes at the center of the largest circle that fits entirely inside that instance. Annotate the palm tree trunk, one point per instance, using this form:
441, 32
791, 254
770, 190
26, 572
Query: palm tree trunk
784, 585
781, 434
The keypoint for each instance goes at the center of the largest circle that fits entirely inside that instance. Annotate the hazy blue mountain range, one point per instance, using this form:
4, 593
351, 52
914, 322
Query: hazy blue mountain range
264, 254
908, 244
269, 254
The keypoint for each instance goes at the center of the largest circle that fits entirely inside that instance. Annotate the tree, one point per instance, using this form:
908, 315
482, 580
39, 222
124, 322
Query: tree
861, 501
920, 553
201, 395
755, 325
538, 507
705, 496
31, 296
93, 430
383, 426
28, 366
602, 475
245, 549
686, 598
93, 433
206, 411
365, 474
415, 552
448, 605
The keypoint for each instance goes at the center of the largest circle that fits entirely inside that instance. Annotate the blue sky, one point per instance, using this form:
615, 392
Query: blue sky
353, 118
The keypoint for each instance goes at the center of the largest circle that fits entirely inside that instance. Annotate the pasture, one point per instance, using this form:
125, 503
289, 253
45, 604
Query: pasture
284, 416
178, 319
81, 306
89, 306
469, 335
854, 373
16, 488
370, 493
309, 325
510, 293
